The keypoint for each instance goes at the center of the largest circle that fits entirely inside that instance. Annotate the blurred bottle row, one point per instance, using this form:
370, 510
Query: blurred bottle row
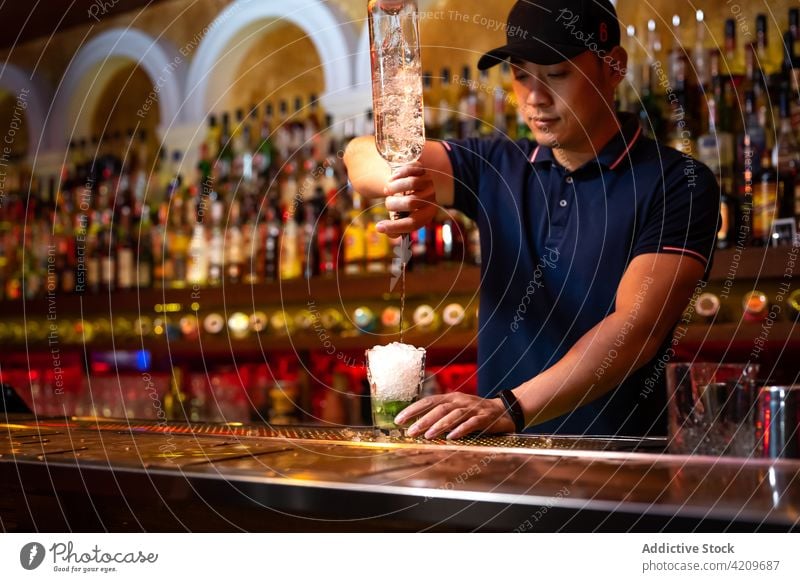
320, 324
734, 107
297, 323
754, 306
270, 200
281, 392
279, 211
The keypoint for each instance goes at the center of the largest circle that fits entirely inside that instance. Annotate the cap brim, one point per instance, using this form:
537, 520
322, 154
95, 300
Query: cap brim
533, 51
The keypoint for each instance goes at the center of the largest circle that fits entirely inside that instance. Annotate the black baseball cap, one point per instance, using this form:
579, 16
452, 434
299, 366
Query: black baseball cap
547, 32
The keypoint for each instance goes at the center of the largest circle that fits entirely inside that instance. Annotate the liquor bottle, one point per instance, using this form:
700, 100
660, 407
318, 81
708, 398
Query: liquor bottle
431, 118
213, 135
224, 161
93, 254
234, 246
419, 248
33, 272
425, 318
390, 318
715, 147
767, 192
364, 319
213, 323
434, 242
650, 114
216, 247
14, 280
239, 325
707, 307
145, 259
794, 30
378, 246
251, 242
198, 268
309, 235
733, 58
454, 315
447, 121
125, 252
483, 106
786, 158
262, 160
791, 43
329, 240
333, 320
281, 323
467, 105
753, 141
452, 238
243, 159
627, 94
677, 55
766, 59
756, 306
283, 134
178, 239
756, 82
291, 263
355, 239
162, 263
272, 243
794, 305
700, 53
108, 252
730, 213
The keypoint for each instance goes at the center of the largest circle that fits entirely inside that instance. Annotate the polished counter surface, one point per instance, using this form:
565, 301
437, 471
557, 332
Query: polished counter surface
96, 475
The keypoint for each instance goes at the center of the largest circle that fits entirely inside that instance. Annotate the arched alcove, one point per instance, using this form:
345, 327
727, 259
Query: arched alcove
25, 92
281, 65
231, 36
98, 62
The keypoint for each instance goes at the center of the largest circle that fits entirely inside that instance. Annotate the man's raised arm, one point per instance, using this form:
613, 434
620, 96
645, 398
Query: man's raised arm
418, 188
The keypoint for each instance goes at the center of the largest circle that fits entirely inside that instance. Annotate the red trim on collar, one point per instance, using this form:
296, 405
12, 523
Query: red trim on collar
447, 146
627, 149
536, 151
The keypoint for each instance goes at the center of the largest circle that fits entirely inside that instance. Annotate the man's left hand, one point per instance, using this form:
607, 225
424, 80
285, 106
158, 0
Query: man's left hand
457, 415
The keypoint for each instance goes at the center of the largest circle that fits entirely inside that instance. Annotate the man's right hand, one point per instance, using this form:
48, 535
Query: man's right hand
410, 191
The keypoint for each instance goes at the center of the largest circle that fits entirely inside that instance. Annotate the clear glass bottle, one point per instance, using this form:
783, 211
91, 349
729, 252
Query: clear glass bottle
396, 79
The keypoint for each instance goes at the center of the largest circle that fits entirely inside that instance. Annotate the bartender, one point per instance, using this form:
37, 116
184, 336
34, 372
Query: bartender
594, 238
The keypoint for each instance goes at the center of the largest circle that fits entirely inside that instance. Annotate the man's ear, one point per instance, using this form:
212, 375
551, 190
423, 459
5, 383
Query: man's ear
617, 61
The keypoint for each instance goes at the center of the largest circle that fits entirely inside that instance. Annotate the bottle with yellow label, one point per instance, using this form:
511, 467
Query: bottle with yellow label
767, 193
291, 264
378, 246
355, 239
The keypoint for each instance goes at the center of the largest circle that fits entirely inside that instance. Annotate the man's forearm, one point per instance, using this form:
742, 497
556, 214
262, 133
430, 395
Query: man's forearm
597, 363
367, 170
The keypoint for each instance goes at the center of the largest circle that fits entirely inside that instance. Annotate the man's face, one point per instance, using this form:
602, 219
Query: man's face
563, 103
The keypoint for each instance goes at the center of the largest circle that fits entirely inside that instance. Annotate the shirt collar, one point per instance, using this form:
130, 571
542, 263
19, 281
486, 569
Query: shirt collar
612, 154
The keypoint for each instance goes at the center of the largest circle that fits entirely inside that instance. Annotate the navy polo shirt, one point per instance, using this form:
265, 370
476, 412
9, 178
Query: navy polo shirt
555, 245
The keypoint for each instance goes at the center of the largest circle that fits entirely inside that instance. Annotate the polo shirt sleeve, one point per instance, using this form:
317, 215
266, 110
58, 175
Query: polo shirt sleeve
683, 218
472, 159
467, 158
